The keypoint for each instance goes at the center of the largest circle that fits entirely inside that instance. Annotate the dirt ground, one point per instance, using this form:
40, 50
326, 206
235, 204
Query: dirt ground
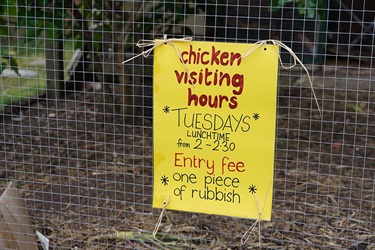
87, 177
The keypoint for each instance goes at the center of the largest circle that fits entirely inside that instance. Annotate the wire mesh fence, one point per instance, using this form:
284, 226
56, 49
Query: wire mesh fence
77, 125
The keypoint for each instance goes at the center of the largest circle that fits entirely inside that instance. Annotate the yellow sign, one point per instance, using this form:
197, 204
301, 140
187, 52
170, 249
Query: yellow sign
214, 128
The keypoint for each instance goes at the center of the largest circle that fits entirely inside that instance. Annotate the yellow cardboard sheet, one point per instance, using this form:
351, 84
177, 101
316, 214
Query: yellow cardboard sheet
214, 128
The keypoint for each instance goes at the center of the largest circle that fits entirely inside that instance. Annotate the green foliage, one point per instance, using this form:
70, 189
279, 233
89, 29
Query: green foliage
94, 18
152, 19
6, 60
35, 16
9, 8
172, 13
309, 8
41, 15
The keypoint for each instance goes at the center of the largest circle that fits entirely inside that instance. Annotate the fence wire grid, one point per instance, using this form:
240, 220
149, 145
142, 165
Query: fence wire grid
76, 127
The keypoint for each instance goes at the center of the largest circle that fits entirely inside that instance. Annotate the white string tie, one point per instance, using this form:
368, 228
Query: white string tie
158, 223
258, 44
250, 230
156, 43
152, 44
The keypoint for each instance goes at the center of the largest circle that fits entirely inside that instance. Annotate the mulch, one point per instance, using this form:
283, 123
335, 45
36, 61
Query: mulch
87, 176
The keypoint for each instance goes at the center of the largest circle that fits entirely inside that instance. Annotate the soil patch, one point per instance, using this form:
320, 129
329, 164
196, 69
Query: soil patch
87, 176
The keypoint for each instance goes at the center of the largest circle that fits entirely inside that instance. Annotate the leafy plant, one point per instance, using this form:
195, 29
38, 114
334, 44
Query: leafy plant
41, 15
5, 58
309, 8
94, 18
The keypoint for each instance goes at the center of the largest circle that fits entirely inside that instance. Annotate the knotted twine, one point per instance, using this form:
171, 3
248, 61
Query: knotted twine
156, 43
165, 204
258, 44
249, 231
152, 44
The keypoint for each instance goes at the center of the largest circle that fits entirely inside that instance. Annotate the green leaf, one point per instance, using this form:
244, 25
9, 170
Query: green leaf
12, 10
78, 44
50, 33
32, 34
21, 17
277, 4
4, 31
310, 9
31, 22
96, 47
58, 25
41, 2
310, 4
12, 2
310, 13
307, 8
98, 37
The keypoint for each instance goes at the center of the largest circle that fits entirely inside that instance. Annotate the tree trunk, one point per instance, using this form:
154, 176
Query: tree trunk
54, 68
125, 90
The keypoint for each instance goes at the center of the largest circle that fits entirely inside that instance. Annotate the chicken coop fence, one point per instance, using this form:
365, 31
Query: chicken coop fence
77, 133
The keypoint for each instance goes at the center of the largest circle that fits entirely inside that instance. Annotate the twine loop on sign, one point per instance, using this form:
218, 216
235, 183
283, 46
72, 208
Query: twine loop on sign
152, 44
166, 200
258, 44
156, 43
250, 230
245, 237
